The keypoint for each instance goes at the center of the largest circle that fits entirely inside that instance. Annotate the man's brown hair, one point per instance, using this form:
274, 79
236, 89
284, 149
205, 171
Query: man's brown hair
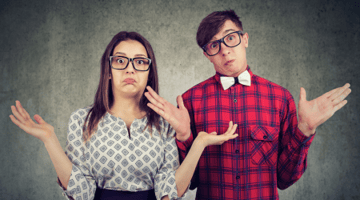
212, 24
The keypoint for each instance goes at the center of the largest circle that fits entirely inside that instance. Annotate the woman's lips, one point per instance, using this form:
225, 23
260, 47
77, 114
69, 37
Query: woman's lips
129, 81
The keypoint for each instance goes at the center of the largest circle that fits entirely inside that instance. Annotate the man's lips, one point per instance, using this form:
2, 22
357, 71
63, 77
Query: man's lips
129, 81
229, 62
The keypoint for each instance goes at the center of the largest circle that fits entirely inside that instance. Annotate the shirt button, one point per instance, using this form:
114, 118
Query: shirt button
264, 136
235, 100
237, 151
237, 177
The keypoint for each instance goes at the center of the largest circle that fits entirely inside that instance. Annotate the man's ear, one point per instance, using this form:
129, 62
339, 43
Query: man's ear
245, 39
207, 56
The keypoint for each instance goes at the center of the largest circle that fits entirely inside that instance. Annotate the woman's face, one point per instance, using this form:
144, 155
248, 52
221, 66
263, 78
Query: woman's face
129, 82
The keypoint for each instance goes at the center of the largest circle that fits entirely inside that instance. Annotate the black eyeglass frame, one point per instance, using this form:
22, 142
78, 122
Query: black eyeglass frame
240, 33
130, 60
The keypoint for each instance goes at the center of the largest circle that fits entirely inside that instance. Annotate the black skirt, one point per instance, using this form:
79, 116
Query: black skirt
104, 194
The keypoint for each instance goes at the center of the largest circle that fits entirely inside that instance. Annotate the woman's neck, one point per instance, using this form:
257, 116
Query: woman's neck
128, 107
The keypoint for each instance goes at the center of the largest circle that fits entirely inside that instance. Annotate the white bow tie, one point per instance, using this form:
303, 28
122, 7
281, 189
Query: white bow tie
244, 78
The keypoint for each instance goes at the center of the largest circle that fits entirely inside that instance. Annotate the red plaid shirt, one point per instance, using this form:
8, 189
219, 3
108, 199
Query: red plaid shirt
270, 151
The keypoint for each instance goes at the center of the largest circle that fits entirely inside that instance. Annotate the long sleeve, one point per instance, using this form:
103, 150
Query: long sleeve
164, 183
184, 146
81, 183
293, 150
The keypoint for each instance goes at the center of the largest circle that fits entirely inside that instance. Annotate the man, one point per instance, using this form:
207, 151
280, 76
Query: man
272, 145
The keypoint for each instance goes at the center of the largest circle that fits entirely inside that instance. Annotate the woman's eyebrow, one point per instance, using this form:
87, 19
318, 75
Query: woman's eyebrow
121, 53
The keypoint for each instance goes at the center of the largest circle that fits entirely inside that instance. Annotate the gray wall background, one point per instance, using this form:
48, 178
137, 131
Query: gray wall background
50, 53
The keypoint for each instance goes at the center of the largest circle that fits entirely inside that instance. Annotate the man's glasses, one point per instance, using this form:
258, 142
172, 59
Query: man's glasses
230, 40
121, 62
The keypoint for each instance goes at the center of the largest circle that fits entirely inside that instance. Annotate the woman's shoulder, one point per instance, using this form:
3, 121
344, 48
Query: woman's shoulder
79, 115
81, 112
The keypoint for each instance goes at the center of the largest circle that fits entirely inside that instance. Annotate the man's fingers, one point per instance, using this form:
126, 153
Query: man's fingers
154, 101
180, 102
158, 111
342, 96
338, 91
340, 105
155, 95
328, 94
302, 96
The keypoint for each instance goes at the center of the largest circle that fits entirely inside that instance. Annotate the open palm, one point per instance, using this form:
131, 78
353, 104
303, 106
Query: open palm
317, 111
178, 118
22, 119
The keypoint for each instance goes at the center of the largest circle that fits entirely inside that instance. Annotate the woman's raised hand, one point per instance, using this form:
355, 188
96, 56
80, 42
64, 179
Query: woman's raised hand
22, 119
207, 139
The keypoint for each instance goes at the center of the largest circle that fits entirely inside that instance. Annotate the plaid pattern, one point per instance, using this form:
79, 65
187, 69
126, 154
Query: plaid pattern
270, 151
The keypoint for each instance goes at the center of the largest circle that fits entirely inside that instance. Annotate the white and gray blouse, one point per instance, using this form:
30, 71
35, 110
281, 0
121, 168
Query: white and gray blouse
113, 160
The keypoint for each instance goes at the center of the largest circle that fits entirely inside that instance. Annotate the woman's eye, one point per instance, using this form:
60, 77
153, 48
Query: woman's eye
230, 37
140, 62
121, 61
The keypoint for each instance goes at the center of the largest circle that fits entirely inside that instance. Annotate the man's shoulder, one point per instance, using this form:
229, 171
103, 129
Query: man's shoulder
200, 86
262, 82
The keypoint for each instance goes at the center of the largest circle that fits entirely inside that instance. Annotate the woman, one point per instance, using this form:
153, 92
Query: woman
119, 148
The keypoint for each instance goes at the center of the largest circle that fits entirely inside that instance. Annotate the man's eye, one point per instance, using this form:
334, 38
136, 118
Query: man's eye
213, 45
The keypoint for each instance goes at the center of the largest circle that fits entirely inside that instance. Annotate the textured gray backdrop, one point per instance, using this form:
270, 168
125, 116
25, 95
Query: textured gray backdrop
50, 53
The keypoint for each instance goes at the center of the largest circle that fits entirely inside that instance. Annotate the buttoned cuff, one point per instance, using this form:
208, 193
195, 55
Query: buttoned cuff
302, 139
185, 144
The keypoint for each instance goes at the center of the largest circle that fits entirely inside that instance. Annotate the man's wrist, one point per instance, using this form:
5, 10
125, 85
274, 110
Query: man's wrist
304, 128
183, 137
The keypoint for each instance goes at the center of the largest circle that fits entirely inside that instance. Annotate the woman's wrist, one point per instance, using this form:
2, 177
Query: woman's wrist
199, 143
49, 138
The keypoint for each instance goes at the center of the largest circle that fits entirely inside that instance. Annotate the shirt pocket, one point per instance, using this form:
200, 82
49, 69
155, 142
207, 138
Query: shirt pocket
264, 145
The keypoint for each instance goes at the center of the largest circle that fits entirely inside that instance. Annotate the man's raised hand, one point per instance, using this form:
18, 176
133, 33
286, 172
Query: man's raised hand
178, 118
317, 111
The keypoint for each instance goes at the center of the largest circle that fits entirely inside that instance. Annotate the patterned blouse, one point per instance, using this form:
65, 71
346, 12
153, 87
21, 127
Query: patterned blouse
112, 160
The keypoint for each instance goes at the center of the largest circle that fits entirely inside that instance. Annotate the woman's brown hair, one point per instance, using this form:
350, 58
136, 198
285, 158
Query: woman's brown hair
104, 98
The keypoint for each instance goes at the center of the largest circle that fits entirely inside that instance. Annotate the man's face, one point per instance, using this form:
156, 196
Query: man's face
230, 61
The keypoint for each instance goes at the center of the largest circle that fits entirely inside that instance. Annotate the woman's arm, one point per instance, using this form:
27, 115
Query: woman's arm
44, 132
186, 170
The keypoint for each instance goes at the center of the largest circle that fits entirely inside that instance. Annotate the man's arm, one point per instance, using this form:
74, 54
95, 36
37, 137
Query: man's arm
296, 136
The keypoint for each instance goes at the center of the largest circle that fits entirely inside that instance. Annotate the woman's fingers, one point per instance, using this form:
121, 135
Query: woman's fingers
39, 119
229, 128
23, 111
18, 123
16, 113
